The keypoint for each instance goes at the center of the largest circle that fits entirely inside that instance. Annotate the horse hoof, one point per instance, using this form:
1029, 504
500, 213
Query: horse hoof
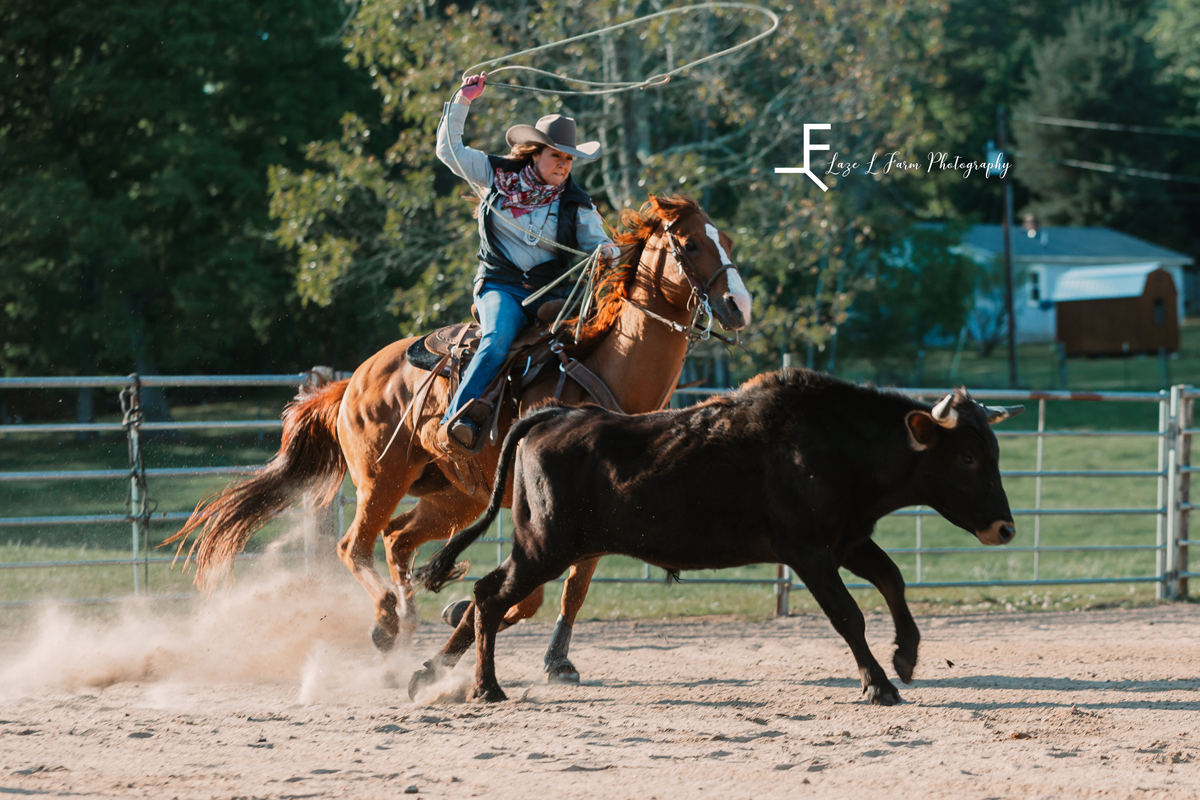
904, 667
383, 641
453, 613
885, 695
426, 676
492, 694
562, 671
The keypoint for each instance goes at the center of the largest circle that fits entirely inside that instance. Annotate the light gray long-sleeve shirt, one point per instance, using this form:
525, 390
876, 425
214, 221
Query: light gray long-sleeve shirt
473, 165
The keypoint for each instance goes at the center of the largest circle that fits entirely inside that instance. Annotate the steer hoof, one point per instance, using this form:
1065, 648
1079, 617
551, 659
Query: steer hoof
885, 695
426, 676
383, 640
904, 668
453, 613
489, 694
562, 671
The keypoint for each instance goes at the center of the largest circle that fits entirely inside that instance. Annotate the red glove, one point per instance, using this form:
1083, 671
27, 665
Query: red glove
472, 87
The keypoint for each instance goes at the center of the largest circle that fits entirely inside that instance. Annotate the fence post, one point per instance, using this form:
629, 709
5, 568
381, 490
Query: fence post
1037, 503
1183, 423
1171, 549
500, 538
321, 525
1160, 521
137, 504
920, 549
783, 589
320, 541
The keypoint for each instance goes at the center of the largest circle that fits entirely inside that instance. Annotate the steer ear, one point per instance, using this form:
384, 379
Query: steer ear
1000, 413
922, 429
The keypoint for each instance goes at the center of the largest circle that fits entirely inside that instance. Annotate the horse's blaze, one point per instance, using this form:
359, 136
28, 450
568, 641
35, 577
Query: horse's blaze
999, 532
741, 296
737, 290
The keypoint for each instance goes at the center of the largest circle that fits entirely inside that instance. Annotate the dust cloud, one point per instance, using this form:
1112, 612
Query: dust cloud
275, 626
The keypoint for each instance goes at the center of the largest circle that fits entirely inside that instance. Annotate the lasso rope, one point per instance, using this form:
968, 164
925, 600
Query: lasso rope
587, 266
624, 86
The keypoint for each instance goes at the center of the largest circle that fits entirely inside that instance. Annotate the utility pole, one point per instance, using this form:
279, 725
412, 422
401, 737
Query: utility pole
1006, 231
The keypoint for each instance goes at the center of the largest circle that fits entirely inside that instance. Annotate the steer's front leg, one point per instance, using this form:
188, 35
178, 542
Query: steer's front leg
819, 572
868, 560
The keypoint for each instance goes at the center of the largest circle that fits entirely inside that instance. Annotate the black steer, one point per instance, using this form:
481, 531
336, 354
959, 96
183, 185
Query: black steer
795, 467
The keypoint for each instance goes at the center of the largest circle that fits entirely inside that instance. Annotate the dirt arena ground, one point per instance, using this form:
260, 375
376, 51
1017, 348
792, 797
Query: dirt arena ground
288, 706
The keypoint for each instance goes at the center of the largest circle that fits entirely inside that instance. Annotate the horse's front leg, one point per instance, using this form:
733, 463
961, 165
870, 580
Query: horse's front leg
559, 668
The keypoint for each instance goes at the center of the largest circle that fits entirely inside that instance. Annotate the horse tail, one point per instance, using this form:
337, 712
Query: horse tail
440, 569
309, 460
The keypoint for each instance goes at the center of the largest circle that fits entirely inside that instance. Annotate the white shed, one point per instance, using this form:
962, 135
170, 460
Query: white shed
1069, 264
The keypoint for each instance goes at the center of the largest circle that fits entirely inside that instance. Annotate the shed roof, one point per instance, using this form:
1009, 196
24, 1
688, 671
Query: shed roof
1067, 244
1099, 283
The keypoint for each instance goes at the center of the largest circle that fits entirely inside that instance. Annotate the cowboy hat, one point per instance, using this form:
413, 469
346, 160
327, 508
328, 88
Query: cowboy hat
553, 130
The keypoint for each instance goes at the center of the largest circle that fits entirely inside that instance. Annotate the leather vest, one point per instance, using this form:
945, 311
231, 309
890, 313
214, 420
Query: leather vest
495, 266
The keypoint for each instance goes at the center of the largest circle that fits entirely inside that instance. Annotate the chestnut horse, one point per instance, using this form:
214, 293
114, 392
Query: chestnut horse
636, 340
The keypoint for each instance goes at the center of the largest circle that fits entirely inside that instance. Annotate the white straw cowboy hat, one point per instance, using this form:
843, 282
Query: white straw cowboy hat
553, 130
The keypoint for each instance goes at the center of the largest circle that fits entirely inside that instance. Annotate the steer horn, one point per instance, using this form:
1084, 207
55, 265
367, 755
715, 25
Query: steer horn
944, 413
1001, 413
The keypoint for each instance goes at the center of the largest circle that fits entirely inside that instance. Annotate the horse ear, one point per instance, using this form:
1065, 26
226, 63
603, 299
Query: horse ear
922, 430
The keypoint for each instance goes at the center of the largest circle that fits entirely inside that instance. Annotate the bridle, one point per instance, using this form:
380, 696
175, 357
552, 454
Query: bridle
698, 300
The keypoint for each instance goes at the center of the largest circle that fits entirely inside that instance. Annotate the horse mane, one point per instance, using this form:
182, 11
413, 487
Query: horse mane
612, 285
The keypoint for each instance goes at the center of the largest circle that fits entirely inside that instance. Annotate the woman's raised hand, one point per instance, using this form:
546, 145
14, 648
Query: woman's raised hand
472, 86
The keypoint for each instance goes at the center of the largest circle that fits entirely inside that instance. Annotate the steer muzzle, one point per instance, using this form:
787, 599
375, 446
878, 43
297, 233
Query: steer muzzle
999, 532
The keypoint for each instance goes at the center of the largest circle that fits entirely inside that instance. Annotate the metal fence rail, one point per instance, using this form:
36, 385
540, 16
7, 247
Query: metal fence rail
1170, 511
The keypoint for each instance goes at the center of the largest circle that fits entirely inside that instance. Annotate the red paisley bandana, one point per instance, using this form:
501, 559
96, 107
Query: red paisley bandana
524, 191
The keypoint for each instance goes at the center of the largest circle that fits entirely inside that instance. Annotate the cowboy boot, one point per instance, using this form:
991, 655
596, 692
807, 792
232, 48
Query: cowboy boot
459, 438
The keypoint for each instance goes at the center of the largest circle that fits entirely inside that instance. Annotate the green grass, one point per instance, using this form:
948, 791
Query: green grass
93, 542
1038, 368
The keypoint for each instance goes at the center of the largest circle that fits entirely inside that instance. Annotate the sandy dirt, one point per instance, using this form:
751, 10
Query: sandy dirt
1084, 704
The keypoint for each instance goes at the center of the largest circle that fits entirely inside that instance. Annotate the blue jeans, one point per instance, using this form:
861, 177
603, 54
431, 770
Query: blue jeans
501, 318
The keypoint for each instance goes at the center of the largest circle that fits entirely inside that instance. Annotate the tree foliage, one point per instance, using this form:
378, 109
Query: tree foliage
134, 143
243, 186
1101, 68
920, 289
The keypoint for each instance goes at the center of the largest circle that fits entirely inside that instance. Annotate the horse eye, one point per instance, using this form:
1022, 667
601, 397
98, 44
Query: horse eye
690, 246
968, 460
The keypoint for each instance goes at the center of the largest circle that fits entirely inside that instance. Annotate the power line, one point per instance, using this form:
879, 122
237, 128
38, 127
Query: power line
1110, 168
1105, 126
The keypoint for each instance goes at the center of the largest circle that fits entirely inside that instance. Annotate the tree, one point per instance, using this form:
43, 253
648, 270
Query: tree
920, 288
134, 144
987, 46
1101, 68
1174, 33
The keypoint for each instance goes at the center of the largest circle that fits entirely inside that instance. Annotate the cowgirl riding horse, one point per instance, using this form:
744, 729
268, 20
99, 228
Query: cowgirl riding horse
678, 262
530, 205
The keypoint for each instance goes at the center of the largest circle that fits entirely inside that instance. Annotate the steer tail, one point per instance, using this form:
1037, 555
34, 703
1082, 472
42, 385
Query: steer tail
309, 460
440, 569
